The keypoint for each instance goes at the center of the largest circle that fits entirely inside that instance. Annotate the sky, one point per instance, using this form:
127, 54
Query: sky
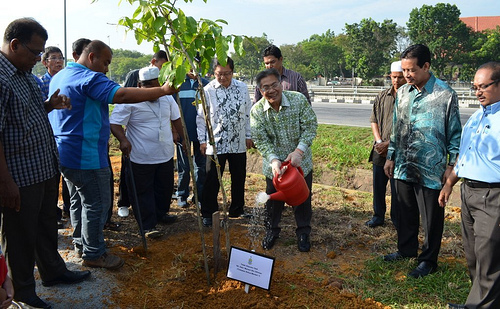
284, 21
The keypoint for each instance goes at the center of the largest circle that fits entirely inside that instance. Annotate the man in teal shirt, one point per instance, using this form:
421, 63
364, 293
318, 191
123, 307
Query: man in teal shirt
283, 127
424, 146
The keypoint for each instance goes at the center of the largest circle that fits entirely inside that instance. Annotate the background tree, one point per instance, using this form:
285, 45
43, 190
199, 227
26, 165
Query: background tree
296, 59
251, 63
371, 46
440, 28
323, 53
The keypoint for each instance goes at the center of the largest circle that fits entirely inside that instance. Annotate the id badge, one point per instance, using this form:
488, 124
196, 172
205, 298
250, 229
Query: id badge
161, 135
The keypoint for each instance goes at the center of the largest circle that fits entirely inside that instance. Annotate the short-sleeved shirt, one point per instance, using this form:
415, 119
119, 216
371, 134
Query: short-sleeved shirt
148, 128
479, 157
25, 132
229, 117
290, 80
82, 133
425, 133
278, 133
187, 95
382, 111
44, 83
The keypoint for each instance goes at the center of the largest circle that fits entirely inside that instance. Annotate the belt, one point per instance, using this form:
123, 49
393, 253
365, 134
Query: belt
479, 184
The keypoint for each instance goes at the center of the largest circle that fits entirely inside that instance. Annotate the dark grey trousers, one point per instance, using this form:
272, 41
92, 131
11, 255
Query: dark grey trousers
481, 236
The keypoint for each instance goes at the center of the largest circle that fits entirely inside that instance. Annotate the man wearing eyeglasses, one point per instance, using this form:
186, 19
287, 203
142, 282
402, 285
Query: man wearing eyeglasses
29, 167
283, 127
53, 60
290, 80
423, 148
479, 165
229, 104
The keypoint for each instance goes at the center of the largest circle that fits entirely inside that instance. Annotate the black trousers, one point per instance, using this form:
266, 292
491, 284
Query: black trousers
238, 169
414, 202
31, 235
302, 213
379, 190
123, 198
154, 184
481, 236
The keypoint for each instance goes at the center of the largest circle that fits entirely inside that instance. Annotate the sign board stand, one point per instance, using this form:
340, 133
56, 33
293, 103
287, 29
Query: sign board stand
251, 268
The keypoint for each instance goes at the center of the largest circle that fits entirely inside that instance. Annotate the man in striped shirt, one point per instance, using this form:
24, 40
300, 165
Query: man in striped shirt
290, 80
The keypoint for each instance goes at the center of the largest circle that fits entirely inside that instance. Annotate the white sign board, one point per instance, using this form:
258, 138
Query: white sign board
250, 267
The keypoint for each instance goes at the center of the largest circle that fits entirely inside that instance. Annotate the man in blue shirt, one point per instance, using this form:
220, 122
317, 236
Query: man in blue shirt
424, 146
53, 60
82, 136
479, 165
187, 96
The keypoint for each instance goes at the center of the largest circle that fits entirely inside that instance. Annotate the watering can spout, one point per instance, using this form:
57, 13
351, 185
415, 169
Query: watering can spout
278, 196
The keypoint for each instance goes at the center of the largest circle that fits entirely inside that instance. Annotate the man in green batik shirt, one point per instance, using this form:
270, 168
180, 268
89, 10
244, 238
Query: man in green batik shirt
424, 146
283, 127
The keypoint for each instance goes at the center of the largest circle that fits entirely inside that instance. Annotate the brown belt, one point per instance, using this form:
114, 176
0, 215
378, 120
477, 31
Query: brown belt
480, 184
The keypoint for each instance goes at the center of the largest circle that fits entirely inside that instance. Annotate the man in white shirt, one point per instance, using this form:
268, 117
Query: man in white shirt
149, 144
229, 104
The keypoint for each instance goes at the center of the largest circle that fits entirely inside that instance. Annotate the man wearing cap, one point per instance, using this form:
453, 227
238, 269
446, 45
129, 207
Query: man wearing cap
82, 136
381, 123
149, 144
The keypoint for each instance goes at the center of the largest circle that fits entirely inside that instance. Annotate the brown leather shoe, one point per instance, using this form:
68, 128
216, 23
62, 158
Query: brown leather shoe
108, 261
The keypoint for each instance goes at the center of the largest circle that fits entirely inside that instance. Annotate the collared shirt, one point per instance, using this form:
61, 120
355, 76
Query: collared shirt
278, 133
425, 133
148, 128
382, 114
82, 133
25, 132
44, 83
290, 80
229, 117
479, 157
187, 95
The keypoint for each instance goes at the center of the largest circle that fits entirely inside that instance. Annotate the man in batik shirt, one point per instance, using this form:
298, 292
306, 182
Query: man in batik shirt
283, 128
229, 104
423, 149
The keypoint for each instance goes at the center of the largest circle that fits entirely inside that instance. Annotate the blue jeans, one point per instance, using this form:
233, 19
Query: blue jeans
90, 201
183, 172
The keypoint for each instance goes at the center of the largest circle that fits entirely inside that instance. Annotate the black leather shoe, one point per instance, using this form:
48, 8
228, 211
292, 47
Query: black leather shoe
269, 241
423, 269
68, 277
34, 302
395, 256
373, 223
456, 306
167, 219
303, 243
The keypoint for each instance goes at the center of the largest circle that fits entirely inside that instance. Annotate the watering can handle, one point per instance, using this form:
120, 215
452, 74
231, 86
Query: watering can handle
287, 163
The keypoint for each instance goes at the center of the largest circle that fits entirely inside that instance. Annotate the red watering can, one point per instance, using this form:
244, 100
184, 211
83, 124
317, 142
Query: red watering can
291, 186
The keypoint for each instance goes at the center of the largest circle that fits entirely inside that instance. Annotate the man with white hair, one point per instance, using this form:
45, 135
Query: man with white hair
149, 144
381, 123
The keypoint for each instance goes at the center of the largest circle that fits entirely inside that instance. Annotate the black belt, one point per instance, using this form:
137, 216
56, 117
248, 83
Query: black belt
480, 184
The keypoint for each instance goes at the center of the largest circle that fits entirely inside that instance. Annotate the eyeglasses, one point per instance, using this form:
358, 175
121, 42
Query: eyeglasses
56, 59
484, 87
223, 74
38, 54
275, 85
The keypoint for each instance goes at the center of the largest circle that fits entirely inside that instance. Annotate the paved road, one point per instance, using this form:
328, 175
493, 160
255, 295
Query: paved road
358, 115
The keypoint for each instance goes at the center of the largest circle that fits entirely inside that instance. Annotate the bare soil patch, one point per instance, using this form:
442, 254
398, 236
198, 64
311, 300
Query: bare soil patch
171, 273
